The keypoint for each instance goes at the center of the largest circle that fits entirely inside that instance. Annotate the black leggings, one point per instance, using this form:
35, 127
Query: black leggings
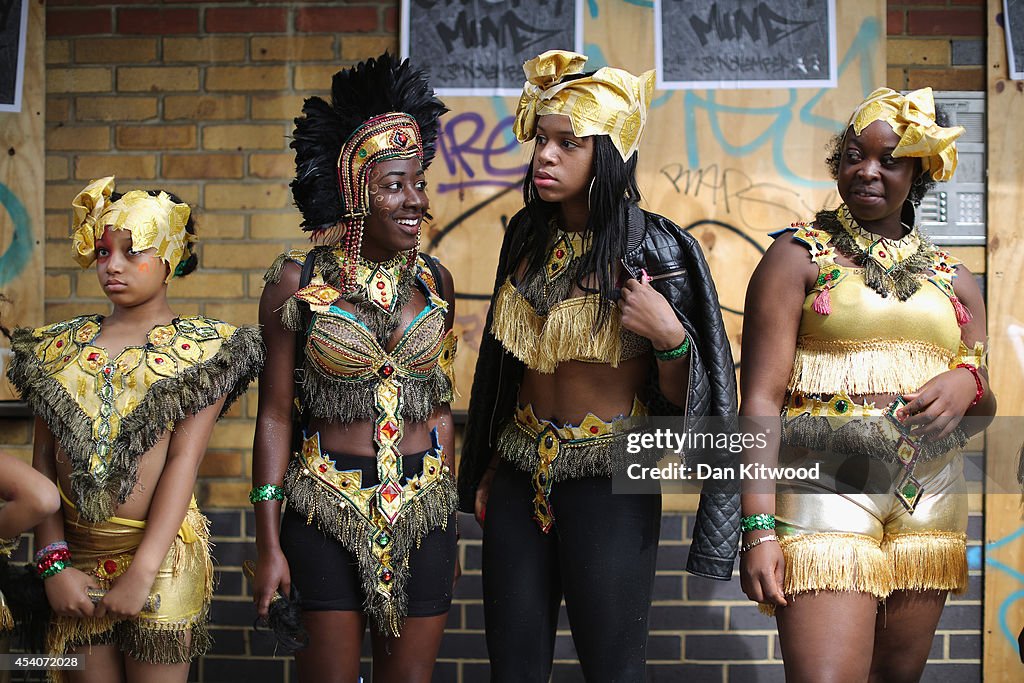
600, 555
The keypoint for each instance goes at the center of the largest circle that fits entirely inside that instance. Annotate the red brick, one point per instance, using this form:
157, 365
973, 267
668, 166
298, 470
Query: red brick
946, 22
969, 2
246, 20
77, 22
87, 3
336, 20
158, 21
894, 22
391, 20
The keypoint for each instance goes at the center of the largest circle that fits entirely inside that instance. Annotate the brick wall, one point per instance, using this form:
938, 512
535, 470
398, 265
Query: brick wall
198, 99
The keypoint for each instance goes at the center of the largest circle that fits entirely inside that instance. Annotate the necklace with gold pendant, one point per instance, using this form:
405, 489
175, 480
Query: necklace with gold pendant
891, 267
380, 280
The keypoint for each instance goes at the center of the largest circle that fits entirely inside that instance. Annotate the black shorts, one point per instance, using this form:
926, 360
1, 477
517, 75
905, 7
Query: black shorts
327, 575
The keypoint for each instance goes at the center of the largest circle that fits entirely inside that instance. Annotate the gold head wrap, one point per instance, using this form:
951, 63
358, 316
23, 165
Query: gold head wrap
154, 222
912, 117
610, 102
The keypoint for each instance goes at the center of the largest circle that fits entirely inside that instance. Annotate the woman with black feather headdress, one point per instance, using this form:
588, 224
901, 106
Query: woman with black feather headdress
359, 334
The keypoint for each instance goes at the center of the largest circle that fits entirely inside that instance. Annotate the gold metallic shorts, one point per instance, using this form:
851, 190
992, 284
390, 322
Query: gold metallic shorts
845, 531
176, 631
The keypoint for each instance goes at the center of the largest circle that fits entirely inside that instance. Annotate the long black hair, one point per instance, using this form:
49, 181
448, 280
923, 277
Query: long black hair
613, 190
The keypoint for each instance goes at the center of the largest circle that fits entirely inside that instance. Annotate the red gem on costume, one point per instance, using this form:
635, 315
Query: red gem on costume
159, 361
881, 254
387, 369
828, 276
389, 429
107, 370
93, 356
67, 358
385, 576
594, 430
380, 284
109, 566
390, 491
186, 346
401, 138
59, 343
559, 253
323, 467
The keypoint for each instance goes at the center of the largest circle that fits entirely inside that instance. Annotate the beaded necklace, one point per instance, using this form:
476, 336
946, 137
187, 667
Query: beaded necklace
890, 266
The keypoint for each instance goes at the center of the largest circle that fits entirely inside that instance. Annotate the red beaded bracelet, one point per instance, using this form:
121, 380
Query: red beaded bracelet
977, 379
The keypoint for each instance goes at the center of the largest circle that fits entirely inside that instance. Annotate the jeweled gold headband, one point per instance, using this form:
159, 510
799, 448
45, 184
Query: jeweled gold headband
384, 137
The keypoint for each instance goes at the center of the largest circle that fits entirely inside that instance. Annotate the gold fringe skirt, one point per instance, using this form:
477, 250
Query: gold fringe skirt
177, 631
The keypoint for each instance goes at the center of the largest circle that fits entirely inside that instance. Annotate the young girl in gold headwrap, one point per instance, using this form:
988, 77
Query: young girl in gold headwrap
870, 341
125, 404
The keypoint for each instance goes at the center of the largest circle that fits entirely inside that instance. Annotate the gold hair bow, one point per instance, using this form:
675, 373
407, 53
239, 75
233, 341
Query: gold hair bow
609, 102
154, 222
912, 117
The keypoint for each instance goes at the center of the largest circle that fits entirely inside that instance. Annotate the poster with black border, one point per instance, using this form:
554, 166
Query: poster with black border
733, 44
477, 47
1013, 20
13, 27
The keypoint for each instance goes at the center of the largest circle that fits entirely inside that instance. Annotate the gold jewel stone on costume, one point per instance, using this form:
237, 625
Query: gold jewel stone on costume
568, 247
380, 280
889, 254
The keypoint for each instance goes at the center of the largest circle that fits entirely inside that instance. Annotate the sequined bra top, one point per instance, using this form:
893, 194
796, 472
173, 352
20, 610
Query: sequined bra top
852, 340
542, 326
341, 346
346, 354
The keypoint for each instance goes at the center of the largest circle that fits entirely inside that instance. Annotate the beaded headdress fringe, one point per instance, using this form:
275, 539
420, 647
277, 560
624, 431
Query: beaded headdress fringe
881, 367
935, 560
424, 513
229, 372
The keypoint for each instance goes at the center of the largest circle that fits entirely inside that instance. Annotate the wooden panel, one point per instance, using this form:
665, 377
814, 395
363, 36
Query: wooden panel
22, 164
1004, 529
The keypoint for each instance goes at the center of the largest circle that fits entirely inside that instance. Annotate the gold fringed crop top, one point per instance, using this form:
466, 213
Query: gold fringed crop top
106, 412
566, 333
854, 341
344, 360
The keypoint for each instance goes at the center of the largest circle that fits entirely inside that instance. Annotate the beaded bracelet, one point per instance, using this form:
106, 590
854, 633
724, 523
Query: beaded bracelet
758, 541
266, 492
54, 562
977, 380
677, 352
760, 521
43, 552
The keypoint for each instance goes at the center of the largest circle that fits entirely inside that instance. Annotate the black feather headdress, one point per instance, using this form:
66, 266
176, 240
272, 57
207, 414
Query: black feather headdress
377, 86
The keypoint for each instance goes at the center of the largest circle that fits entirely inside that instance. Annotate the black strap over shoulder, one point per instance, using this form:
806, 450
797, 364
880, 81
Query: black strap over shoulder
436, 273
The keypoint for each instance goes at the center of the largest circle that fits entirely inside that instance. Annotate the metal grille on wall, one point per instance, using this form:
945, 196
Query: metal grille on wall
953, 213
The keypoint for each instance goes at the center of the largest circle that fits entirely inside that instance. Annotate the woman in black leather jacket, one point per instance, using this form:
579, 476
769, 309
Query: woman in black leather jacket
601, 313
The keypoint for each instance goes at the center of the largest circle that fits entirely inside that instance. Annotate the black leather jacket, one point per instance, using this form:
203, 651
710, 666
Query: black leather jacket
675, 261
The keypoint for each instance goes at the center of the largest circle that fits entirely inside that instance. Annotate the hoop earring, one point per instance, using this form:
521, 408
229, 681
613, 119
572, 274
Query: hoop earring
590, 190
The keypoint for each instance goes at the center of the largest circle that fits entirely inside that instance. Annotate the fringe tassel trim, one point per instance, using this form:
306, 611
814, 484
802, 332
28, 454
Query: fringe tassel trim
935, 560
229, 372
6, 618
873, 437
355, 529
872, 367
566, 333
345, 401
597, 457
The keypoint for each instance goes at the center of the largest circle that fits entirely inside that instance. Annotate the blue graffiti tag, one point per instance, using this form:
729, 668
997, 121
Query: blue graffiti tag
16, 257
1009, 600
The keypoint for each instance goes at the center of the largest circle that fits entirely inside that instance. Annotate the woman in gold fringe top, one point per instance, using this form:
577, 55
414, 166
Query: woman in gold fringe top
870, 342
